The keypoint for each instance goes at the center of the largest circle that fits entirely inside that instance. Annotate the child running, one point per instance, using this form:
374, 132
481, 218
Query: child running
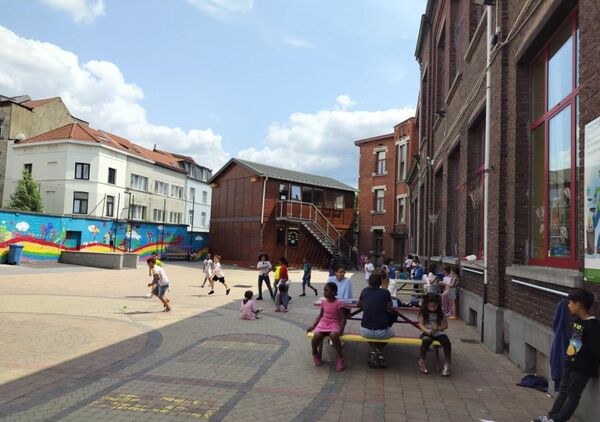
208, 269
160, 283
306, 278
284, 286
433, 323
159, 263
248, 308
330, 322
218, 275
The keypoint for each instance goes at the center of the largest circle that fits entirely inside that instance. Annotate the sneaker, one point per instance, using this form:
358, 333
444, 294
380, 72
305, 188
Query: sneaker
316, 292
422, 366
212, 292
227, 291
303, 294
317, 360
339, 365
167, 309
372, 362
149, 295
446, 371
381, 361
283, 309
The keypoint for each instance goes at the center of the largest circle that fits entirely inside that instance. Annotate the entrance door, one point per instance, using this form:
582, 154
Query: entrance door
73, 240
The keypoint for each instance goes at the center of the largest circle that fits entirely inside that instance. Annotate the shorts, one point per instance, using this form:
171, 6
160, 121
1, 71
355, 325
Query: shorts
219, 279
159, 290
376, 334
452, 293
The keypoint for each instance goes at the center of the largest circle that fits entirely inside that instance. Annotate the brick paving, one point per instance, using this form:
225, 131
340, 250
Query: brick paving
82, 344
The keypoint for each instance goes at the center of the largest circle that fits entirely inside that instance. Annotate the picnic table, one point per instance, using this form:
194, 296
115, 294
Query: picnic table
352, 304
409, 287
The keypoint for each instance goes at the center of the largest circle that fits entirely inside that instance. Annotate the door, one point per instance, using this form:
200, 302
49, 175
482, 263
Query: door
72, 240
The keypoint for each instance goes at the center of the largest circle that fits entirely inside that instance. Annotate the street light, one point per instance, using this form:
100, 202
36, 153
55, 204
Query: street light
128, 232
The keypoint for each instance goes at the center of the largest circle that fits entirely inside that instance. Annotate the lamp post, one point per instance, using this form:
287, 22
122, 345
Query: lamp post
128, 232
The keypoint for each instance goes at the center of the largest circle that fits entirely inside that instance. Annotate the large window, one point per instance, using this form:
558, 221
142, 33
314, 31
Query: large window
307, 194
457, 29
296, 193
475, 180
379, 198
339, 201
318, 197
203, 219
80, 202
161, 188
177, 191
554, 88
110, 206
401, 210
174, 217
158, 215
138, 212
112, 176
82, 171
402, 164
453, 203
440, 80
28, 167
377, 242
138, 182
192, 195
380, 162
204, 197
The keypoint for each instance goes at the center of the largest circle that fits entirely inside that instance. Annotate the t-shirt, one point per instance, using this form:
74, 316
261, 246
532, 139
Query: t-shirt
408, 263
307, 268
418, 273
374, 305
344, 287
391, 270
248, 310
208, 266
219, 271
283, 275
263, 267
583, 352
163, 280
369, 268
158, 262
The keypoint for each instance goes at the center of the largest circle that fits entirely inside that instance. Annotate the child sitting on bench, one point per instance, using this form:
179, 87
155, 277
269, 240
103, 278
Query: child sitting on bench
433, 323
330, 322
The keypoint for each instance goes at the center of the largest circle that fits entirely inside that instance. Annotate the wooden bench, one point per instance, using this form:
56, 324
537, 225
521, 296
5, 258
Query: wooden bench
177, 252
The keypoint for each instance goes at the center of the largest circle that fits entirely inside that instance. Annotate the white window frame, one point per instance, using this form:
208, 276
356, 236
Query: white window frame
379, 201
402, 152
161, 188
138, 212
158, 215
402, 198
136, 180
204, 197
176, 191
203, 219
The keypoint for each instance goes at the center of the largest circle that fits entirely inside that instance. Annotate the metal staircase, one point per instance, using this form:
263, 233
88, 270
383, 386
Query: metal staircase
319, 226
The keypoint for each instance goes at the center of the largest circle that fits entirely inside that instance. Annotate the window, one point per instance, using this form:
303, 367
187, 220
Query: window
401, 210
457, 26
475, 180
82, 171
280, 236
158, 215
112, 176
161, 188
204, 197
1, 129
379, 194
476, 14
28, 167
203, 219
191, 218
318, 197
192, 194
138, 182
380, 162
402, 164
80, 202
296, 193
110, 206
174, 217
283, 192
554, 91
307, 194
176, 191
339, 201
440, 81
377, 242
452, 203
329, 199
138, 212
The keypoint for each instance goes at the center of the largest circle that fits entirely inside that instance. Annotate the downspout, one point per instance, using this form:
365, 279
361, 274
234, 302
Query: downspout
262, 213
488, 103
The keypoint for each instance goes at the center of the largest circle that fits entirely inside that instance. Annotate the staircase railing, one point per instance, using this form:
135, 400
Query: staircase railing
306, 211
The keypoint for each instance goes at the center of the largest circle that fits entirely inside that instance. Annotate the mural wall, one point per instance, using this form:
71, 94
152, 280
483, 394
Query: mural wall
44, 236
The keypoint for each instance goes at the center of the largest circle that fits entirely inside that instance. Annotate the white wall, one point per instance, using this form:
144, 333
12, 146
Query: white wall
198, 205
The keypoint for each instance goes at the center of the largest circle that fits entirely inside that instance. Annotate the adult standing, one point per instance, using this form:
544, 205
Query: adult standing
264, 267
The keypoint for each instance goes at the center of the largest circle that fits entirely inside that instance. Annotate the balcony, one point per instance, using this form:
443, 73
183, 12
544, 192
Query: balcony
400, 230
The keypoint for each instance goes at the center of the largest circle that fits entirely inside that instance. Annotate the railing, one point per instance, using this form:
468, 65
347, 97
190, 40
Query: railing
306, 211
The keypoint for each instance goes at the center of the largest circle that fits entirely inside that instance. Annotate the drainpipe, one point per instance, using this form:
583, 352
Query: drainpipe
488, 103
262, 213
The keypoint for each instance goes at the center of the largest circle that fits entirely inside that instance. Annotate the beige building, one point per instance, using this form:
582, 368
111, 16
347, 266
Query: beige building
21, 117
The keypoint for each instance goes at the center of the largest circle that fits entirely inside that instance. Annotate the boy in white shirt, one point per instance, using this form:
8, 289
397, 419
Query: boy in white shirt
160, 283
369, 268
218, 275
208, 268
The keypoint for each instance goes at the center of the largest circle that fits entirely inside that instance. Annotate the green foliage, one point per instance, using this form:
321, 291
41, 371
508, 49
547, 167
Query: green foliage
27, 196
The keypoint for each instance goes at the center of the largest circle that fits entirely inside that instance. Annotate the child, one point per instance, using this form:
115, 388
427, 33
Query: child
248, 308
432, 323
582, 357
408, 266
264, 267
376, 304
330, 322
369, 268
284, 283
160, 283
306, 278
217, 275
343, 284
453, 293
447, 281
157, 262
208, 269
390, 269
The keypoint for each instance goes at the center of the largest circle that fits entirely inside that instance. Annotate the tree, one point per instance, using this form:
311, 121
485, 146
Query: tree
27, 196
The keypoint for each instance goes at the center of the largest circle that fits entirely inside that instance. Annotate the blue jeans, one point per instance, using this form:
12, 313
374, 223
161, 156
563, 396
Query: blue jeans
376, 334
264, 278
285, 297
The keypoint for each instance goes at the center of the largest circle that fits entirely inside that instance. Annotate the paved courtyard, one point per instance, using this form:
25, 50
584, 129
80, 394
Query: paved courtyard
84, 344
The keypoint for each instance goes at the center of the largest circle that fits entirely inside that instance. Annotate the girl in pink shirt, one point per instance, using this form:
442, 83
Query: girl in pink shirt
330, 322
248, 309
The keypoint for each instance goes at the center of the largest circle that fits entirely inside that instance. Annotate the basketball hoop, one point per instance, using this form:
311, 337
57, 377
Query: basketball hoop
475, 190
433, 217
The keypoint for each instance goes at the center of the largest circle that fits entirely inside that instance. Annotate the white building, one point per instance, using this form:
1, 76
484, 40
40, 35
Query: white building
86, 171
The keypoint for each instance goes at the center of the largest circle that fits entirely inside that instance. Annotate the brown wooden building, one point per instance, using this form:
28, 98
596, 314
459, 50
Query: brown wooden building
259, 208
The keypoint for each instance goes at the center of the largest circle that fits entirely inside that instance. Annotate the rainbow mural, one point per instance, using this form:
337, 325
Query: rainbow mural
44, 236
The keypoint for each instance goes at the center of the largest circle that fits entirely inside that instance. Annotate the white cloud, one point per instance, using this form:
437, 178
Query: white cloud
85, 11
323, 142
223, 9
297, 42
344, 101
96, 91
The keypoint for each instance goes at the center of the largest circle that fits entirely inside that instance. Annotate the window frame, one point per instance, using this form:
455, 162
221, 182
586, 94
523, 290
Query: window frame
569, 100
110, 211
379, 205
112, 171
380, 162
401, 217
28, 167
164, 185
402, 168
87, 202
83, 167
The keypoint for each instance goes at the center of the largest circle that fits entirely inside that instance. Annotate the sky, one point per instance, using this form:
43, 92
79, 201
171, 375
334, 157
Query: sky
288, 83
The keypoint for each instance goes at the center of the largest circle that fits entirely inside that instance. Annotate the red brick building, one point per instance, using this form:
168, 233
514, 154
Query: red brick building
544, 81
258, 208
383, 210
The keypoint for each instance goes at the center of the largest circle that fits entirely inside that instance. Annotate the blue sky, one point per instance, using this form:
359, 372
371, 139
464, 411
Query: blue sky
292, 83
